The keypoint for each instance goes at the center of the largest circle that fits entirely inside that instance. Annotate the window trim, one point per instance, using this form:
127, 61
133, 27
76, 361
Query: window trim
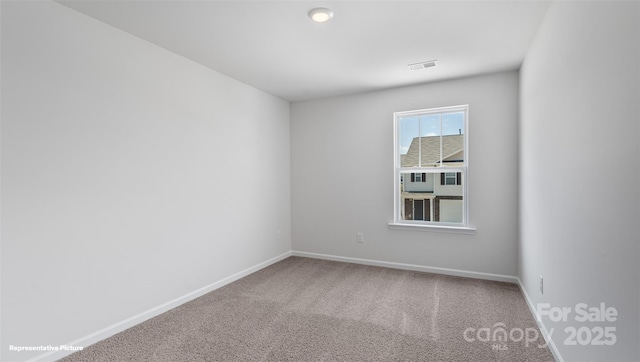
398, 222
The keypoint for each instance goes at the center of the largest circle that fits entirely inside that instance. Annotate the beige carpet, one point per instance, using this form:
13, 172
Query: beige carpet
304, 309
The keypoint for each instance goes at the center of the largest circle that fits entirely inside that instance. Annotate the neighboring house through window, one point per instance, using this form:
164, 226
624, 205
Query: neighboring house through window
450, 178
431, 166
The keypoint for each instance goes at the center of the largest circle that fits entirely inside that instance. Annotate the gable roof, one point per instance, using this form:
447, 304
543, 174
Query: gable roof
451, 145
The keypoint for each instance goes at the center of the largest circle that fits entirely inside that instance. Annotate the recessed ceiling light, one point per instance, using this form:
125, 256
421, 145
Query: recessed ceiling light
422, 65
320, 15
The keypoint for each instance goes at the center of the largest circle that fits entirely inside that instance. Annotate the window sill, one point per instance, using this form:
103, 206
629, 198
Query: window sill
435, 228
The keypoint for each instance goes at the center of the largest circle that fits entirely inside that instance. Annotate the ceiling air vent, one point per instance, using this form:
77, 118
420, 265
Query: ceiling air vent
422, 65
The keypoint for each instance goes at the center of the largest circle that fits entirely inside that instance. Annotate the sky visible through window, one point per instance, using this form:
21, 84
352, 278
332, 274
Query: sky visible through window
425, 125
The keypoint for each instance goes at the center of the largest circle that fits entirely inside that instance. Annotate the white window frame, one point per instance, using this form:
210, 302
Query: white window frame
398, 222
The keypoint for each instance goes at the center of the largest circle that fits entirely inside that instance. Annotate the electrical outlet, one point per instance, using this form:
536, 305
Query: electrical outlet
541, 285
360, 237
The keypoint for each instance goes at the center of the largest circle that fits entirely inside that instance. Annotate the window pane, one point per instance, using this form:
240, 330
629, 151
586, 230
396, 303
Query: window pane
439, 198
430, 139
408, 131
453, 138
452, 123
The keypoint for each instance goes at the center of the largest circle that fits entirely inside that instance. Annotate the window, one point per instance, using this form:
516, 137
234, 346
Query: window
431, 160
418, 177
450, 178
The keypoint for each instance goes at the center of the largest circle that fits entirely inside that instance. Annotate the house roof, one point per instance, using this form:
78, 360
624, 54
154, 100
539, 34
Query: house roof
452, 145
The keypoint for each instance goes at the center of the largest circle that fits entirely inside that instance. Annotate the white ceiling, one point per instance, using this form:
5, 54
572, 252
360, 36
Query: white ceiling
275, 47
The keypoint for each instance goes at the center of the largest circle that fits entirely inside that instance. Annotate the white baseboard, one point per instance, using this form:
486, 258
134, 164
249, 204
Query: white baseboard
421, 268
139, 318
543, 329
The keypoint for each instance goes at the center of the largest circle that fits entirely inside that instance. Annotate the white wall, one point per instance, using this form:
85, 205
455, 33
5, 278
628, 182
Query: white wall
579, 217
120, 187
337, 140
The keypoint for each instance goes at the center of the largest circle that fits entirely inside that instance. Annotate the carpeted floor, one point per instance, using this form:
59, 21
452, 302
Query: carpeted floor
304, 309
